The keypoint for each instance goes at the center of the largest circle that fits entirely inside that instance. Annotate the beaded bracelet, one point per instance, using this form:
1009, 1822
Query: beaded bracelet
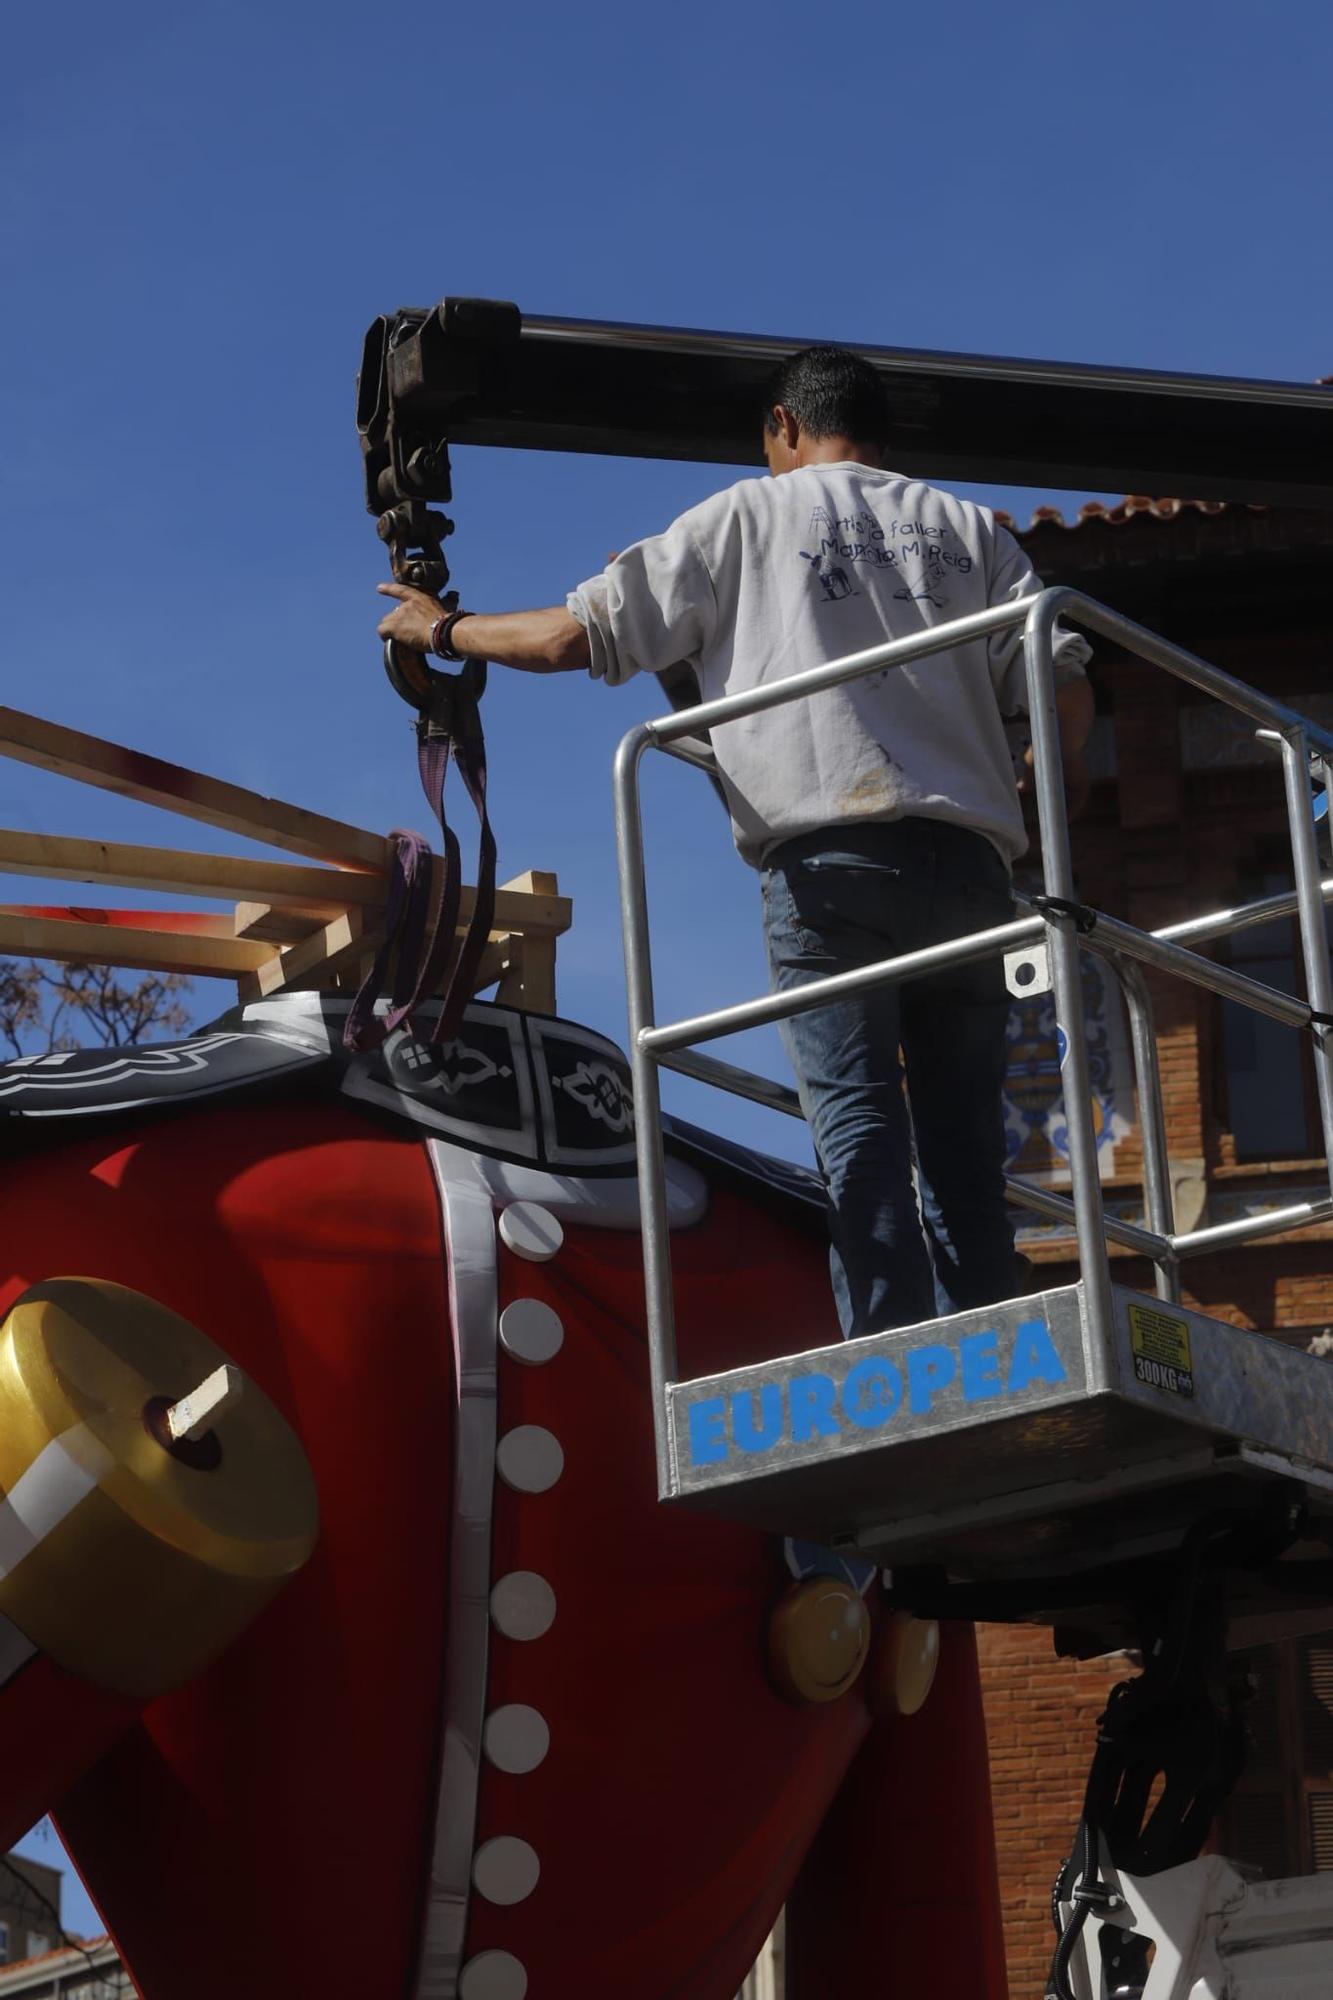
441, 634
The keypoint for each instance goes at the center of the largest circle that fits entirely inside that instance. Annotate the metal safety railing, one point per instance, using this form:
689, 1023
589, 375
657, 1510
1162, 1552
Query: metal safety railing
1304, 747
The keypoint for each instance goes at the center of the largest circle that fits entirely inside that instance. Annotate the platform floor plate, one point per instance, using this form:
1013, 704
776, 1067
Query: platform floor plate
1009, 1436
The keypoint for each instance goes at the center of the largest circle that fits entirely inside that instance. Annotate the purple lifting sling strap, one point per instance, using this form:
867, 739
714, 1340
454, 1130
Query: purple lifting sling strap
421, 940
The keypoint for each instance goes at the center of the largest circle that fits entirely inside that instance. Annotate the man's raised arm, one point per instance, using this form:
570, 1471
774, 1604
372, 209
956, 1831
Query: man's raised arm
536, 642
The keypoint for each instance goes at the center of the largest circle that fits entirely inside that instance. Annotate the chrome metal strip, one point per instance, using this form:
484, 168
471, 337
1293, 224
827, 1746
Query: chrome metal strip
1111, 935
1059, 1207
659, 1300
1158, 1200
770, 1007
1062, 947
1313, 924
781, 1097
1062, 602
691, 722
468, 1221
1225, 923
1250, 1228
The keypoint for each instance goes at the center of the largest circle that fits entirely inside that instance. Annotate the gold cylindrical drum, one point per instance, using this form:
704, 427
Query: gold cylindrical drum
128, 1555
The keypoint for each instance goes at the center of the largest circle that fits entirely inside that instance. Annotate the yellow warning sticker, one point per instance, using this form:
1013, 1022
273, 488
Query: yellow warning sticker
1161, 1347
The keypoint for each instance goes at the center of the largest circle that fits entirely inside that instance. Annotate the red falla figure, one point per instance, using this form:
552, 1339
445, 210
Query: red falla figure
539, 1733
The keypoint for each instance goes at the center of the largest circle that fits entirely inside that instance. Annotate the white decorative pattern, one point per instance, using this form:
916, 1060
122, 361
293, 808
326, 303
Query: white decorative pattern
530, 1231
53, 1072
493, 1975
516, 1738
601, 1093
446, 1068
531, 1332
600, 1201
523, 1605
529, 1459
505, 1870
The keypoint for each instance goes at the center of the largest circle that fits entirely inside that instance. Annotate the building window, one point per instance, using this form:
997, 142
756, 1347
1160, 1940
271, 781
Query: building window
38, 1942
4, 1942
1270, 1104
1280, 1817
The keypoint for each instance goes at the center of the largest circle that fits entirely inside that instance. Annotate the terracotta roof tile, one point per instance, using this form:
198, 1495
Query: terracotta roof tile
74, 1949
1133, 505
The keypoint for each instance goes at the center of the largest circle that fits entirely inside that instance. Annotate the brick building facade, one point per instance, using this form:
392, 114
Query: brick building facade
1186, 815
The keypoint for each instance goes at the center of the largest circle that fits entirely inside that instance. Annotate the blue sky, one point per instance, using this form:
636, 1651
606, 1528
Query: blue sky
203, 209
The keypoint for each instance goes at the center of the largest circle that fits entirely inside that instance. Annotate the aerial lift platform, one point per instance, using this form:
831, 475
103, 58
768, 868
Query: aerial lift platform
1055, 1432
1108, 1462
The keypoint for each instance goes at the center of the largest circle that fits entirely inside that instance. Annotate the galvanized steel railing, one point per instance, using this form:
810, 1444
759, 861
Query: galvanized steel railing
1125, 948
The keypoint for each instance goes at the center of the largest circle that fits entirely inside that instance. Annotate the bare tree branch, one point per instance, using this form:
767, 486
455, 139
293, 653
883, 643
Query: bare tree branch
20, 1004
72, 1006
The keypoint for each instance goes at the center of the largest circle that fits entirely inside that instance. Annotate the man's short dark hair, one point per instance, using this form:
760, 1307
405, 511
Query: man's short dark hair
831, 392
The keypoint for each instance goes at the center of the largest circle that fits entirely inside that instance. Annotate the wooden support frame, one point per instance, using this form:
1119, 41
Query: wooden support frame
293, 926
78, 937
318, 960
94, 761
529, 980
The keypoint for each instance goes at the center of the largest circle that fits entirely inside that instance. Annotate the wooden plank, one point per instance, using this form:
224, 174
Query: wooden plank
521, 906
195, 923
73, 939
516, 910
338, 955
313, 963
178, 872
499, 955
279, 925
233, 879
532, 882
535, 916
530, 980
72, 753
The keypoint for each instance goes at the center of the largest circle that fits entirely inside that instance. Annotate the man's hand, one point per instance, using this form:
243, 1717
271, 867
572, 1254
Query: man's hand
536, 642
412, 619
1077, 781
1074, 712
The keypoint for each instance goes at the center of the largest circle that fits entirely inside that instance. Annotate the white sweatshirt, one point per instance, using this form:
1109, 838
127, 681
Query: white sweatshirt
772, 576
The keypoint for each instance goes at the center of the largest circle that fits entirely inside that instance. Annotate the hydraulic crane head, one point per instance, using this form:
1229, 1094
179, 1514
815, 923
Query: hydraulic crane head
479, 371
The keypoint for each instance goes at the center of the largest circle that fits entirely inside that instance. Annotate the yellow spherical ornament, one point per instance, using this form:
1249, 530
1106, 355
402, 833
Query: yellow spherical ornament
902, 1673
818, 1639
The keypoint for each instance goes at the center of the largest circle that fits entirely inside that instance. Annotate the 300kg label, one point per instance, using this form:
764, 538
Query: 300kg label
1161, 1348
1159, 1377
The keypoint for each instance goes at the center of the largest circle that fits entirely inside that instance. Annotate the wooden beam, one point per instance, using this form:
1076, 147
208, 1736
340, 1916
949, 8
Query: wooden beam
76, 939
535, 912
532, 882
330, 920
496, 960
71, 753
178, 872
290, 924
315, 962
530, 980
279, 925
191, 923
320, 892
339, 952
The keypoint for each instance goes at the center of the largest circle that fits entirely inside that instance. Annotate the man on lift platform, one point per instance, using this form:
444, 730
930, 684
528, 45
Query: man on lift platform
883, 815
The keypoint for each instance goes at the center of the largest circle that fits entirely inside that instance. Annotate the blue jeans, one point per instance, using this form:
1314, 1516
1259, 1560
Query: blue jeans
844, 897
